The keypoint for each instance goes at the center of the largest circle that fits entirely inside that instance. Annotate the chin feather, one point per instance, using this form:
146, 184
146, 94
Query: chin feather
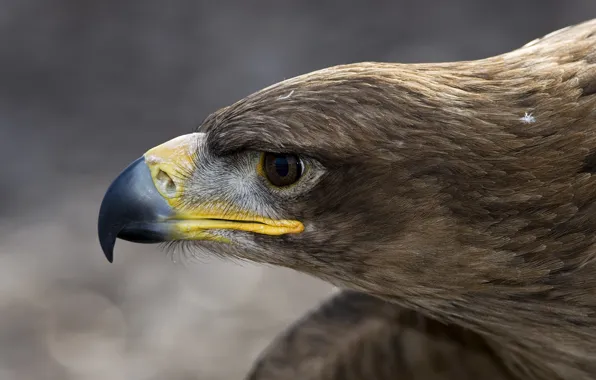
202, 251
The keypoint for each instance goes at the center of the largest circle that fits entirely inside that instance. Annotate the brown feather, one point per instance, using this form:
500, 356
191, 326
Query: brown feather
354, 336
463, 191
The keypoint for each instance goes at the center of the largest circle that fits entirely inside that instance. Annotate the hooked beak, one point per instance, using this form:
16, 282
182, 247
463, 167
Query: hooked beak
144, 203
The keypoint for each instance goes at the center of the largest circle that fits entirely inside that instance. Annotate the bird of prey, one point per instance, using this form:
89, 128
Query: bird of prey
455, 204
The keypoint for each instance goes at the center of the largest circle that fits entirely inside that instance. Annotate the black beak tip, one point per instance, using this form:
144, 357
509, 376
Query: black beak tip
107, 245
113, 212
132, 209
109, 255
107, 236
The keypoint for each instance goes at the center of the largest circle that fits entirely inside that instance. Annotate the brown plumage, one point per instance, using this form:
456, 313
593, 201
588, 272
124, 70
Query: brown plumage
355, 336
473, 197
461, 195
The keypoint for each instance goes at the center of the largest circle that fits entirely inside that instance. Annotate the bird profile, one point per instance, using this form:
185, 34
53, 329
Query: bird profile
454, 202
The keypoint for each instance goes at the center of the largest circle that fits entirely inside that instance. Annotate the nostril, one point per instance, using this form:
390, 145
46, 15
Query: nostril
165, 184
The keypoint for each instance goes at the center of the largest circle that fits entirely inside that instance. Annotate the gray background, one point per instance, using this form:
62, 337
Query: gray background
87, 86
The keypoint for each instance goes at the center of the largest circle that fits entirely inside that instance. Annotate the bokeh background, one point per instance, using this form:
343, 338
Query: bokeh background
87, 86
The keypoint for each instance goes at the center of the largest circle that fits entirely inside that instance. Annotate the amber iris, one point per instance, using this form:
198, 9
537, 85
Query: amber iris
282, 169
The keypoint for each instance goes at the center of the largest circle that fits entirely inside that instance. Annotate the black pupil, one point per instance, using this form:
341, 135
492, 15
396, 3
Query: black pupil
282, 169
282, 166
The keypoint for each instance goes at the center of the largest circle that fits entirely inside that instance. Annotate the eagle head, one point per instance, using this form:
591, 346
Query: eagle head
316, 173
463, 189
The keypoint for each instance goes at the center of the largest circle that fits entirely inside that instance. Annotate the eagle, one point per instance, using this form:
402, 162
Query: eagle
453, 203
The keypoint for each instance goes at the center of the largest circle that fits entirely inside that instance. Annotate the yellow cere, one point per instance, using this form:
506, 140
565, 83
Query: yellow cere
167, 162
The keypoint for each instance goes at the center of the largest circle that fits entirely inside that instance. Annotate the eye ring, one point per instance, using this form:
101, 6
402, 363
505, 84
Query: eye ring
281, 169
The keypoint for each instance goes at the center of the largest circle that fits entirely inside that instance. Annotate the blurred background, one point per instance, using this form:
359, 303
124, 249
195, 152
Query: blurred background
88, 86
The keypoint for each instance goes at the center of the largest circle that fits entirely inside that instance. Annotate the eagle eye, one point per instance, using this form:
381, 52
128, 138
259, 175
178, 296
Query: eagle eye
283, 169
